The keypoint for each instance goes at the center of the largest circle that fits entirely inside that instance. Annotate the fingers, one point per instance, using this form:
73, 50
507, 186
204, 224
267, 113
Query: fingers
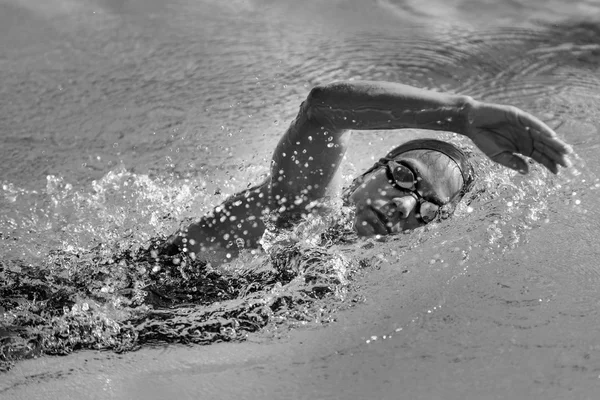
554, 148
518, 132
511, 161
548, 151
516, 163
545, 161
546, 145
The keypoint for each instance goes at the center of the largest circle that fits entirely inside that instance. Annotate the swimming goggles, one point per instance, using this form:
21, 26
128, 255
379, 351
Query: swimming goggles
403, 177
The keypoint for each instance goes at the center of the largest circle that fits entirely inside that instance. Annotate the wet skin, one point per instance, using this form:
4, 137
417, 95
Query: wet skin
383, 208
310, 152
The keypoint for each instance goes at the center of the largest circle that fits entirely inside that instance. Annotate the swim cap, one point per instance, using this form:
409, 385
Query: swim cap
450, 150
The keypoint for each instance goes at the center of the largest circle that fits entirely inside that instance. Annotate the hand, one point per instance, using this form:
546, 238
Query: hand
502, 132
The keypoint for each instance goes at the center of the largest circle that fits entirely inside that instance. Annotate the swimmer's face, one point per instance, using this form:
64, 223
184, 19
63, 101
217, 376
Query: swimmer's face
383, 207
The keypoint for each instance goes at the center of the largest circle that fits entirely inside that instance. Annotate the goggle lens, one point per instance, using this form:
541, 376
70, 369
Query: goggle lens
428, 211
403, 176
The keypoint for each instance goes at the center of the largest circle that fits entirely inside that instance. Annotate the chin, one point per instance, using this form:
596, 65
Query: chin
372, 228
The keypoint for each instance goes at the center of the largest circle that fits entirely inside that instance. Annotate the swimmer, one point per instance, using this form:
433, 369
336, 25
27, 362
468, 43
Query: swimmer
416, 183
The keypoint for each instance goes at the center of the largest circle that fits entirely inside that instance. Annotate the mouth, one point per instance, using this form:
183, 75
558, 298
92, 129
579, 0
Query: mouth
383, 220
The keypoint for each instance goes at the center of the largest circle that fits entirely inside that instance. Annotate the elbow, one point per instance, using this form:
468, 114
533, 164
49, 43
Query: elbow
318, 102
310, 107
325, 94
317, 96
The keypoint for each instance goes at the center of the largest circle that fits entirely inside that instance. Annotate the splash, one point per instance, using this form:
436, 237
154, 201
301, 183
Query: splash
115, 292
110, 298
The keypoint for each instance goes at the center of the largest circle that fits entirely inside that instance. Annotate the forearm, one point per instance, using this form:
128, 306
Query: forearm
365, 105
236, 223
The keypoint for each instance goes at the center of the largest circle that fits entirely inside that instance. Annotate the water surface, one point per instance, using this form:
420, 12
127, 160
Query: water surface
121, 118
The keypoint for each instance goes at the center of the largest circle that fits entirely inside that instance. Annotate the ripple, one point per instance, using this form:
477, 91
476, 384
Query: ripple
484, 13
167, 89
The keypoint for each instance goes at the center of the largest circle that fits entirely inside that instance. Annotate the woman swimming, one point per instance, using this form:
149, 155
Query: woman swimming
414, 184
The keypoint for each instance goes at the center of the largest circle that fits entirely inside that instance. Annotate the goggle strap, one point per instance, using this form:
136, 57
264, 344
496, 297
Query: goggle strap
449, 150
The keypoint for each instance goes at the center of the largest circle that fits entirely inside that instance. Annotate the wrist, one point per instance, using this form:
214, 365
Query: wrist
466, 105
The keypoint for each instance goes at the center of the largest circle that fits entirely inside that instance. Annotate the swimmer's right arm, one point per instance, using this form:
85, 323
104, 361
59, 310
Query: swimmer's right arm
309, 153
313, 147
219, 235
503, 132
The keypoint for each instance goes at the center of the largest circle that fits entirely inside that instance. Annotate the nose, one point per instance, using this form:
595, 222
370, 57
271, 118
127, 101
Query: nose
405, 205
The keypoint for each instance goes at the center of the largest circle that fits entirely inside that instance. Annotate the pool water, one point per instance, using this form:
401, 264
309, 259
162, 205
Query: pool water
119, 119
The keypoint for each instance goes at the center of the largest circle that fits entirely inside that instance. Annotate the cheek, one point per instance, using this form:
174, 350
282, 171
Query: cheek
370, 196
362, 227
366, 223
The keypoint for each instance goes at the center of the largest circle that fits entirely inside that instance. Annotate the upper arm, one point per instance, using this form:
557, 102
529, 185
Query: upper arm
307, 156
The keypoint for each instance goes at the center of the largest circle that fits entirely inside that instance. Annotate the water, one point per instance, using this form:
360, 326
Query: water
121, 118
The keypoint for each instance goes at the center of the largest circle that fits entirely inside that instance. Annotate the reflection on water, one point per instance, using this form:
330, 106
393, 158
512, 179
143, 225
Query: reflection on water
125, 117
